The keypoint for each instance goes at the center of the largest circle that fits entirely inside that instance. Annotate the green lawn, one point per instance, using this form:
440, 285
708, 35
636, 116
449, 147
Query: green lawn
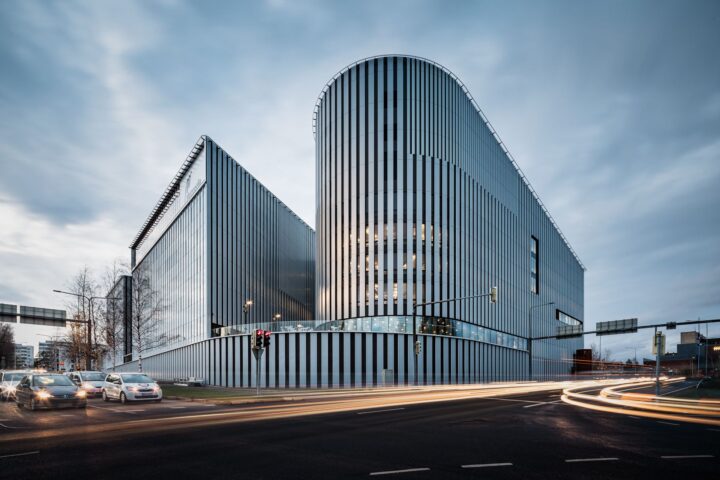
170, 390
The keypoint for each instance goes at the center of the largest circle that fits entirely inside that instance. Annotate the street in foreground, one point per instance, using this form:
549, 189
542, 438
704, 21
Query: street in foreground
510, 435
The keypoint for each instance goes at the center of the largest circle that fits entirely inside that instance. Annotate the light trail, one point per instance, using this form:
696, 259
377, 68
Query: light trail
615, 399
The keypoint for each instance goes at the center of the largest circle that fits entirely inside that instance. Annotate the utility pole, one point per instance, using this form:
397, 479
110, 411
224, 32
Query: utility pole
657, 337
530, 337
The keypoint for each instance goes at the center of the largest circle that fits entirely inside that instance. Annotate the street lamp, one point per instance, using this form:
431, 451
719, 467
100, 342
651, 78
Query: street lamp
529, 339
246, 310
493, 299
277, 317
88, 358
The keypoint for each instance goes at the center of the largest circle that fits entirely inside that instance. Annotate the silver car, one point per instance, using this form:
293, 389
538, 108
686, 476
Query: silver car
128, 387
91, 382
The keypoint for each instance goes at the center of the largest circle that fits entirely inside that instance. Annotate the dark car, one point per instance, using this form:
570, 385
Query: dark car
49, 390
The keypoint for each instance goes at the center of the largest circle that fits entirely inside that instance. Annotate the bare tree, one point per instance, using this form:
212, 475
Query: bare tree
85, 287
7, 346
146, 316
112, 325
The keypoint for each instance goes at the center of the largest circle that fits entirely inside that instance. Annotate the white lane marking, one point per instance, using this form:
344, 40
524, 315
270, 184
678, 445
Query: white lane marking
176, 408
381, 411
714, 429
556, 395
636, 418
20, 454
675, 457
577, 460
534, 405
108, 409
668, 423
66, 415
8, 426
134, 411
483, 465
679, 389
407, 470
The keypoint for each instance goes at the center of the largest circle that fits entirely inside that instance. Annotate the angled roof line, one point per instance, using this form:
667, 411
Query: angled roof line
170, 193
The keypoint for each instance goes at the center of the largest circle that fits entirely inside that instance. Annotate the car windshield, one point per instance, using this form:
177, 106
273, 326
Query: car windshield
136, 378
93, 377
13, 377
51, 381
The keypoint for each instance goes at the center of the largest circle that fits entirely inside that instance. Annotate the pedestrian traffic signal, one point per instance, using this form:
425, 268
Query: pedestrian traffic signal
493, 295
266, 338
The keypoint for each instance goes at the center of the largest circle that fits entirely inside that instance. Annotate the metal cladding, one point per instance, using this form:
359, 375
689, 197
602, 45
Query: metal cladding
217, 238
419, 201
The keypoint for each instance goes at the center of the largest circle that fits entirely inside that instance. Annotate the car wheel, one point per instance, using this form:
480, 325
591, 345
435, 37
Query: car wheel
33, 405
82, 405
105, 397
123, 398
158, 400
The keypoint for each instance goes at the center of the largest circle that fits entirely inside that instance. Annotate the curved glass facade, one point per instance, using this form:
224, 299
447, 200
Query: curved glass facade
418, 201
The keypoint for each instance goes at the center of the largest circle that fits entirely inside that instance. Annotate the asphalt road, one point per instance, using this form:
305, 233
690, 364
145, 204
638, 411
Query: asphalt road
516, 436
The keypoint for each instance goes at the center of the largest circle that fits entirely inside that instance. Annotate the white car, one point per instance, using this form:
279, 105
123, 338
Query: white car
128, 387
91, 382
9, 380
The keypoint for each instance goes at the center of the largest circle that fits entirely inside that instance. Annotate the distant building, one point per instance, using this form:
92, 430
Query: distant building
696, 355
24, 355
582, 360
54, 355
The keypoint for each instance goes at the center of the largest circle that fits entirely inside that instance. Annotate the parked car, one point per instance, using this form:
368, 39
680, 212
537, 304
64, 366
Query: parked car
91, 382
49, 390
131, 386
8, 383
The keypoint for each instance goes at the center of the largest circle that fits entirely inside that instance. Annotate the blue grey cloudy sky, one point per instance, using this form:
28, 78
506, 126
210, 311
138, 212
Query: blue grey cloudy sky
611, 108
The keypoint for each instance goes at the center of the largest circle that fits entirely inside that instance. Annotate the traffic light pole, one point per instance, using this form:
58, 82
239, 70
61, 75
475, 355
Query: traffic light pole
258, 370
493, 299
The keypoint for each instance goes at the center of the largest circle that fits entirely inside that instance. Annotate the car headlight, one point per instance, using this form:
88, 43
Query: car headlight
11, 389
43, 395
81, 394
88, 386
132, 389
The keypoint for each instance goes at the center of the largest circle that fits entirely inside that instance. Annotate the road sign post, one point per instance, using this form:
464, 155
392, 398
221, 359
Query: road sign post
658, 349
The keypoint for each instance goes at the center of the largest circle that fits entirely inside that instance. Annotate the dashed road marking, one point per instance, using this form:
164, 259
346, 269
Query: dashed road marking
636, 418
35, 452
380, 411
678, 457
578, 460
483, 465
714, 429
535, 405
407, 470
176, 408
668, 423
9, 427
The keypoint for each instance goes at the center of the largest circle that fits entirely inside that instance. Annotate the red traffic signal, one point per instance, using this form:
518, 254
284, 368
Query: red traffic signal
266, 338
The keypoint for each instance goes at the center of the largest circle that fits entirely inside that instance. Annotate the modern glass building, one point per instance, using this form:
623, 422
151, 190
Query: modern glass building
216, 239
417, 201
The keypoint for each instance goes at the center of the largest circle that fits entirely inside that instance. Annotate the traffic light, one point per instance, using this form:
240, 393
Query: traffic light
257, 339
418, 347
266, 339
493, 295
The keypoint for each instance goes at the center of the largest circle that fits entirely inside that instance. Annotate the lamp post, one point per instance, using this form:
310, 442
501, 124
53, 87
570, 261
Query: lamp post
89, 321
246, 310
493, 299
529, 338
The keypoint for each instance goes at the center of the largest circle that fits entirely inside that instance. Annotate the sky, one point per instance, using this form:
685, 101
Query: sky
612, 110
